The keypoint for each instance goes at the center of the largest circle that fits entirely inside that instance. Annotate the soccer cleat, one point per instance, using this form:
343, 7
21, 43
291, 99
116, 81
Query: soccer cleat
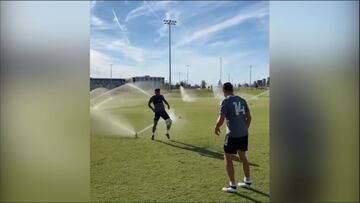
245, 184
152, 137
167, 135
229, 188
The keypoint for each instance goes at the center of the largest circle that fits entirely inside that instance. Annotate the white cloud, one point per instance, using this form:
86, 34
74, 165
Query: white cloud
99, 64
95, 21
97, 55
93, 4
163, 31
147, 8
207, 31
102, 24
203, 7
100, 67
223, 44
128, 52
122, 28
139, 11
131, 52
152, 10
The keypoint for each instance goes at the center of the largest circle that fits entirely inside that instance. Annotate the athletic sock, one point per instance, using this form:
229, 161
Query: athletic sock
233, 184
247, 180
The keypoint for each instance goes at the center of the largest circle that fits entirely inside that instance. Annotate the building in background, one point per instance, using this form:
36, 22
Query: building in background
261, 84
145, 82
106, 82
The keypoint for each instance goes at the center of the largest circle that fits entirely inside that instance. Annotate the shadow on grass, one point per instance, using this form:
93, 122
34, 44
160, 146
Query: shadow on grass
250, 198
201, 150
258, 191
245, 196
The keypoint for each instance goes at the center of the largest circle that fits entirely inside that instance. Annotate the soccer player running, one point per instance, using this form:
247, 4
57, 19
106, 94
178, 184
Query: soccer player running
236, 112
158, 101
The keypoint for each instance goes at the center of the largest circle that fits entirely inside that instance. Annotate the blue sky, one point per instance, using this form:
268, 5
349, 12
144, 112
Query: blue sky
131, 36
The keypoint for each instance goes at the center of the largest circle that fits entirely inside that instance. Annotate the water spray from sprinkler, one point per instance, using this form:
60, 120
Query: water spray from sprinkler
185, 96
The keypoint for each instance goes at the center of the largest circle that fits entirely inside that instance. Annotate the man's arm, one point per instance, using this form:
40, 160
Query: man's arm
166, 102
248, 119
219, 123
221, 118
149, 104
247, 115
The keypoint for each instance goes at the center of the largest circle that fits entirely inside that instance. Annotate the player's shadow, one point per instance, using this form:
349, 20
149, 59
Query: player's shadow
201, 150
258, 191
246, 197
250, 198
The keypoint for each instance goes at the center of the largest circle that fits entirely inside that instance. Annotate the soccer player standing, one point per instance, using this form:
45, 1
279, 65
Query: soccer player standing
236, 112
158, 101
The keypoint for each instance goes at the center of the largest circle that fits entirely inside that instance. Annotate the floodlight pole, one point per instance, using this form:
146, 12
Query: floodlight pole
220, 69
250, 75
169, 57
169, 22
111, 75
187, 75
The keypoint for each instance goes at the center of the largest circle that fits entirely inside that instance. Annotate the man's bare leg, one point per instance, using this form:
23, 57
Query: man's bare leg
245, 163
229, 167
153, 130
168, 126
246, 169
231, 173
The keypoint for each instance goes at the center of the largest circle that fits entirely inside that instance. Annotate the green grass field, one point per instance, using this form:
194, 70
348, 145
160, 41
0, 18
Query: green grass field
189, 167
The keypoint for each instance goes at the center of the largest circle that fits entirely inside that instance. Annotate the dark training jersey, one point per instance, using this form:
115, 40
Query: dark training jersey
157, 100
235, 109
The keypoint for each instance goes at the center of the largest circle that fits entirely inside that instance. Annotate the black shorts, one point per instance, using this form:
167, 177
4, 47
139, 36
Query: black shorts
161, 114
233, 144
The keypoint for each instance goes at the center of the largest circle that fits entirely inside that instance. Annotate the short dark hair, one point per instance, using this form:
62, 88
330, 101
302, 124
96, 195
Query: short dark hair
228, 87
157, 89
